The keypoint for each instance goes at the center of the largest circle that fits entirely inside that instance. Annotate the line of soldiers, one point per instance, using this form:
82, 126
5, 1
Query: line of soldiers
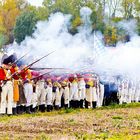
20, 92
128, 91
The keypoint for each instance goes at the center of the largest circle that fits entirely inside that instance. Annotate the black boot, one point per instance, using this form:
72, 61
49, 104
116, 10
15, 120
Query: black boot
22, 109
86, 104
94, 103
42, 108
62, 101
81, 103
51, 107
71, 104
34, 110
48, 108
76, 104
18, 110
66, 106
28, 110
14, 111
57, 107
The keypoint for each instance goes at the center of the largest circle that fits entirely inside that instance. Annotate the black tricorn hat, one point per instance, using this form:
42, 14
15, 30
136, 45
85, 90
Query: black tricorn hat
3, 58
11, 59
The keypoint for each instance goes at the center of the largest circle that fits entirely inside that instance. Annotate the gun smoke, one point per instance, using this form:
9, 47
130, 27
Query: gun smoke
83, 51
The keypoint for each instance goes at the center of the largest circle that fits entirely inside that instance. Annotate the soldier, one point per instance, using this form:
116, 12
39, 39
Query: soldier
130, 90
74, 93
100, 93
13, 70
34, 97
65, 93
56, 95
82, 91
49, 95
119, 94
89, 92
95, 94
40, 90
28, 88
126, 91
137, 93
7, 89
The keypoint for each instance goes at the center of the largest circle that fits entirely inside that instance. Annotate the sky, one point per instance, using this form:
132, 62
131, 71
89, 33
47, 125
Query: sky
35, 2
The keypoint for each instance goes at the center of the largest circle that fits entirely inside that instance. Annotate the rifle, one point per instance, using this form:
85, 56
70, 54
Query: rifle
38, 60
42, 75
19, 59
27, 67
39, 76
34, 68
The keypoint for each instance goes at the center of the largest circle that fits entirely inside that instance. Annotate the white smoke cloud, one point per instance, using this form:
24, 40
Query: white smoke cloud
129, 26
82, 51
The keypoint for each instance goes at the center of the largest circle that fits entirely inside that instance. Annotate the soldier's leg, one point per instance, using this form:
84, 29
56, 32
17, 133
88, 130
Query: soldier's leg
10, 98
3, 99
94, 103
14, 109
28, 95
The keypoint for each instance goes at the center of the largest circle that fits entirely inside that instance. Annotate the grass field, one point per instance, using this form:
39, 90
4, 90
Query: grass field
115, 122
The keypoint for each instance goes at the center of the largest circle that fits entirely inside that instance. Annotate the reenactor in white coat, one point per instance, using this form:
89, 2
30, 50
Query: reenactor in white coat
49, 96
34, 97
130, 90
81, 91
137, 93
124, 92
99, 92
7, 90
120, 91
89, 92
101, 95
95, 94
56, 95
40, 90
65, 92
74, 93
26, 76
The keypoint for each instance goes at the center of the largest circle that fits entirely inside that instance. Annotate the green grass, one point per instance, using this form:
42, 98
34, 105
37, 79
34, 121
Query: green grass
70, 110
114, 122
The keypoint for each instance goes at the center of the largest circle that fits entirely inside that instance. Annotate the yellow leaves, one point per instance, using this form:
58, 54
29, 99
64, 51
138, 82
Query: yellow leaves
110, 35
9, 4
76, 22
8, 12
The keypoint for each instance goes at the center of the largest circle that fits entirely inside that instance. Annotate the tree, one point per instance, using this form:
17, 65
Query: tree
113, 6
8, 13
25, 25
3, 40
110, 35
128, 7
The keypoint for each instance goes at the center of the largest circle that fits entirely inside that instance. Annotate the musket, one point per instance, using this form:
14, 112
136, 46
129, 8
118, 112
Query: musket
27, 67
38, 60
34, 68
42, 75
19, 59
39, 76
